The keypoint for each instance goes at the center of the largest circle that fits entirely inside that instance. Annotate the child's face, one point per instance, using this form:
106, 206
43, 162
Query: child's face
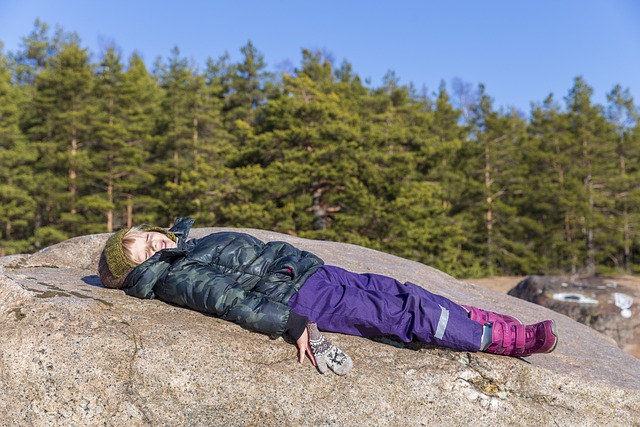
145, 244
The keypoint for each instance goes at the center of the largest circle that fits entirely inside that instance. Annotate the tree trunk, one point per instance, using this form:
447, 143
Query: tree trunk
129, 211
176, 172
73, 185
110, 210
195, 138
7, 226
569, 240
110, 178
590, 263
489, 200
7, 230
626, 235
626, 228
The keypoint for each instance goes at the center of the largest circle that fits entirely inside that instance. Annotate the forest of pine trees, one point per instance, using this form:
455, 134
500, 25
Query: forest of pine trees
90, 143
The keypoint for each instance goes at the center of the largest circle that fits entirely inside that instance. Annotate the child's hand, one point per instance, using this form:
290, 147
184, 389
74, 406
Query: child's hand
305, 348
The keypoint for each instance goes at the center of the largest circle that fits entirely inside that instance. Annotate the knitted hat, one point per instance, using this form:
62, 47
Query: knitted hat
114, 266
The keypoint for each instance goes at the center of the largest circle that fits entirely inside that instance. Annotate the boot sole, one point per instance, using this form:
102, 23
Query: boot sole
518, 320
555, 334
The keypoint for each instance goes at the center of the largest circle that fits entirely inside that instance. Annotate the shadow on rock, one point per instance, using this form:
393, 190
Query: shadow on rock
93, 281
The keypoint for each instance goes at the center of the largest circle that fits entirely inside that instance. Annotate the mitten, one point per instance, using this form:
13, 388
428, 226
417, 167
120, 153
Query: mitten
327, 354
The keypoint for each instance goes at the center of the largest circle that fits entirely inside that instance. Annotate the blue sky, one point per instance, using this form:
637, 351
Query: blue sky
520, 50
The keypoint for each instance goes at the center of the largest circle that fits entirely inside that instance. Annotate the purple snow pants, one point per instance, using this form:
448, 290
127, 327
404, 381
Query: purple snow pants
370, 305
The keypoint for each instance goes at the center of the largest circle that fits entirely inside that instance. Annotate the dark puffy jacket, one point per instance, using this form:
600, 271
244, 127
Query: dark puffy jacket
230, 275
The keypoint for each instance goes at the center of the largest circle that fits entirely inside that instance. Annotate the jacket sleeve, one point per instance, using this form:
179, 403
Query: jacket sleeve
216, 293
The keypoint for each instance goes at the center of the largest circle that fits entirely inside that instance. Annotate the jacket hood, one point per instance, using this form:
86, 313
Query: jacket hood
181, 229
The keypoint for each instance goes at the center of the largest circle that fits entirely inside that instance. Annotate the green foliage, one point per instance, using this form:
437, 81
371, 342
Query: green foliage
17, 203
47, 236
89, 147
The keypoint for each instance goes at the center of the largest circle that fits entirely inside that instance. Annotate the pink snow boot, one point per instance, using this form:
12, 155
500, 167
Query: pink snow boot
485, 316
522, 340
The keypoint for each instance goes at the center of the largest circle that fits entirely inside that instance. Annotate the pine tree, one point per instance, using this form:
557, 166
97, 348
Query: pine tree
173, 156
401, 166
490, 159
16, 202
513, 252
623, 115
215, 145
133, 195
588, 130
249, 87
126, 107
35, 55
192, 132
109, 134
37, 51
60, 129
295, 162
443, 165
546, 205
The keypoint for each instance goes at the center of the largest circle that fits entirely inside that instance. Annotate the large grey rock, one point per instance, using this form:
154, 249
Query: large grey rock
605, 305
75, 353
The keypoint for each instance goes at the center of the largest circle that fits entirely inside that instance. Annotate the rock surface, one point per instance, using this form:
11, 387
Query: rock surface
606, 306
75, 353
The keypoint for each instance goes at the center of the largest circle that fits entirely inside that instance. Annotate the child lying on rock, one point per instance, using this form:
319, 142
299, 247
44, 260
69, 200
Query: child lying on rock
277, 289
